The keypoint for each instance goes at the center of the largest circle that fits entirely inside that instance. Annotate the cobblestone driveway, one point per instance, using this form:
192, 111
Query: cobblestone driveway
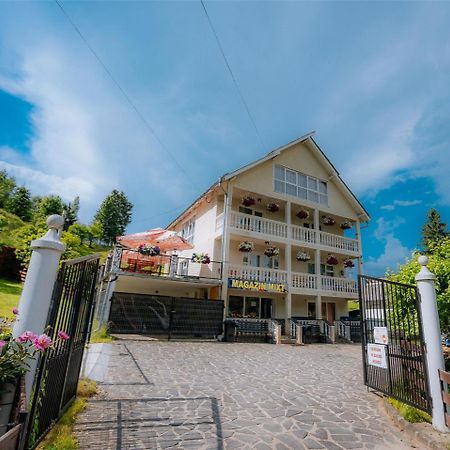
233, 396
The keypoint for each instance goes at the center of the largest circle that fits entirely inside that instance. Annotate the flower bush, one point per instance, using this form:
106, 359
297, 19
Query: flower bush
248, 201
15, 353
273, 207
246, 247
349, 263
271, 251
328, 220
303, 256
303, 214
346, 224
332, 260
201, 258
149, 250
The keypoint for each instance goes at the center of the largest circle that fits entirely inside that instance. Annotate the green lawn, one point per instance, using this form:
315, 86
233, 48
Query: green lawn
9, 296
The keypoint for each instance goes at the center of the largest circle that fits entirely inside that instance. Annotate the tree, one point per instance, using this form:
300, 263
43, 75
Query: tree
51, 204
7, 185
20, 203
114, 215
433, 231
71, 213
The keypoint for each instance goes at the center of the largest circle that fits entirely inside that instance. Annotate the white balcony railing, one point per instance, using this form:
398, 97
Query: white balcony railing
219, 222
304, 281
257, 224
303, 234
344, 285
257, 274
340, 242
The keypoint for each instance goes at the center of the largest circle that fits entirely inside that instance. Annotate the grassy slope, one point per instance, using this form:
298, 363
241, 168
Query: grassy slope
8, 223
9, 296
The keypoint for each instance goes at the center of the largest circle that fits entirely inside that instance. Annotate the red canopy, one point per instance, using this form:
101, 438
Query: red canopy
166, 240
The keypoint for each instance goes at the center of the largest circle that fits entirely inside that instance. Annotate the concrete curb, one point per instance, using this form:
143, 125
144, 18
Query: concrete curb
426, 436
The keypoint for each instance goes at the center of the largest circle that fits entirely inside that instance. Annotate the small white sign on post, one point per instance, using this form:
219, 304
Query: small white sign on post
376, 355
380, 335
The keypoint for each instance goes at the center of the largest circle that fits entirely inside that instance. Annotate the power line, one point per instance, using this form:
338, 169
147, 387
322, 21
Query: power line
238, 89
125, 95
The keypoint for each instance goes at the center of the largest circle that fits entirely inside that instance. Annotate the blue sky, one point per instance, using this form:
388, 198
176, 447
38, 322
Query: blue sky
372, 79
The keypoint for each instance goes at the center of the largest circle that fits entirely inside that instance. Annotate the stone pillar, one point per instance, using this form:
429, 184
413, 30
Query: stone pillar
432, 337
37, 291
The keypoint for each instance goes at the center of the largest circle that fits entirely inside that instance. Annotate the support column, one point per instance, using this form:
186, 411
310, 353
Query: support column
288, 268
226, 246
37, 291
358, 237
432, 337
318, 307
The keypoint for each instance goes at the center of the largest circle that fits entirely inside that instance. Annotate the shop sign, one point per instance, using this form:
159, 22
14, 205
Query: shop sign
261, 286
380, 335
376, 355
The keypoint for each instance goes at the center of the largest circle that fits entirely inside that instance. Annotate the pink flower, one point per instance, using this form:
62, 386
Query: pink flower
15, 311
42, 342
63, 335
2, 344
28, 336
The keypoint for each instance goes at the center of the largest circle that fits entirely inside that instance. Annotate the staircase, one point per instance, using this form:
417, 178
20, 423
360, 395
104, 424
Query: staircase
288, 340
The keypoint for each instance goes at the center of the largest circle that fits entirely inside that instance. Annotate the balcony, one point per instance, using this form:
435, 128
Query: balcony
272, 229
260, 274
342, 287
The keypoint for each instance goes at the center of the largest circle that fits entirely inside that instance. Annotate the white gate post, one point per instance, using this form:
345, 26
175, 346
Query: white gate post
432, 337
37, 291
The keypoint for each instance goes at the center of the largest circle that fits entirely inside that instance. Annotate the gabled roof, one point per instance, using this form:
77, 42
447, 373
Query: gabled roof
324, 159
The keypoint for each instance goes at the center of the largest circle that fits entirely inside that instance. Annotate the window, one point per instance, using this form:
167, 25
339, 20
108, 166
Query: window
325, 269
188, 230
264, 261
291, 182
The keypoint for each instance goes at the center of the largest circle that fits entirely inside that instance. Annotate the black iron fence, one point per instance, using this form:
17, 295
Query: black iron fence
172, 266
58, 371
392, 341
160, 316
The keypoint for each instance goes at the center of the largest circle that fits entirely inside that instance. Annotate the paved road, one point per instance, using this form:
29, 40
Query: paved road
188, 395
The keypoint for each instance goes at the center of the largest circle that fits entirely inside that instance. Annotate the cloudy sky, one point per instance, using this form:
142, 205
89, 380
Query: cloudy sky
372, 79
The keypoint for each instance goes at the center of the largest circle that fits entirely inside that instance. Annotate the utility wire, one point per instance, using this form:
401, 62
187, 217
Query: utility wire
126, 96
238, 89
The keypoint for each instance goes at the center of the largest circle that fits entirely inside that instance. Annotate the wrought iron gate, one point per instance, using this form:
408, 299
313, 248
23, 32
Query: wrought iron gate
58, 371
392, 341
160, 316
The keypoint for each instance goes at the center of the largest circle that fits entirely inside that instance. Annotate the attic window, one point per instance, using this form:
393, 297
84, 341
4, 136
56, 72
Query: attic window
291, 182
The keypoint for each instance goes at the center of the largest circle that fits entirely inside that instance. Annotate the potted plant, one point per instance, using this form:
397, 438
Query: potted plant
346, 224
149, 250
303, 256
246, 247
328, 220
248, 200
201, 258
332, 260
271, 251
15, 354
273, 207
303, 214
349, 263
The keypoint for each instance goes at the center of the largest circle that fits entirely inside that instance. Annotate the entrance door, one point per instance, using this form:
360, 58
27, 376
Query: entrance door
266, 308
331, 312
324, 311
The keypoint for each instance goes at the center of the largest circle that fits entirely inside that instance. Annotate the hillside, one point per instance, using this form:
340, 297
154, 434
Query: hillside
9, 223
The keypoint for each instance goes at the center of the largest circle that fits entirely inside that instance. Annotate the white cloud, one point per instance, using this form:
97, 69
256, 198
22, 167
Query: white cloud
395, 203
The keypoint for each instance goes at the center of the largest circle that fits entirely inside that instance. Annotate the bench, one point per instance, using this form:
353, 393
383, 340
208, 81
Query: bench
247, 330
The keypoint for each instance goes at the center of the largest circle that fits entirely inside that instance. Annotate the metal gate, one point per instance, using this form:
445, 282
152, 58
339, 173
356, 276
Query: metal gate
58, 371
161, 316
392, 341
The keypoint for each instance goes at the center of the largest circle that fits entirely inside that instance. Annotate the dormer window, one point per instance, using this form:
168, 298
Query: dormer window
188, 230
296, 184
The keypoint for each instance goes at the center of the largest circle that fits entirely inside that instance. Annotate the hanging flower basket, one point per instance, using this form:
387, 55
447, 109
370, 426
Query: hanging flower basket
201, 258
346, 225
303, 256
332, 260
349, 263
149, 250
248, 201
303, 214
246, 247
272, 251
328, 220
273, 207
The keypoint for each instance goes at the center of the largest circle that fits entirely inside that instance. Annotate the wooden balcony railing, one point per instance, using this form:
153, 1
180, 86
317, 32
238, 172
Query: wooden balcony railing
257, 274
257, 224
339, 242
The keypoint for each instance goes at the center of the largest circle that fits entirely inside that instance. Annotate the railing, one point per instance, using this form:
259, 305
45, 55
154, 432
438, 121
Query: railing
257, 274
275, 330
304, 281
303, 234
340, 242
335, 284
169, 266
342, 330
257, 224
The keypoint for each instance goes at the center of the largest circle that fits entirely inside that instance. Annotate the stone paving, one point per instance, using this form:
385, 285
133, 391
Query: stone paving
186, 395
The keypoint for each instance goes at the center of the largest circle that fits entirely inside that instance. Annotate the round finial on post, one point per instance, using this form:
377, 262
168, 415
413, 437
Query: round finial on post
423, 260
55, 222
424, 273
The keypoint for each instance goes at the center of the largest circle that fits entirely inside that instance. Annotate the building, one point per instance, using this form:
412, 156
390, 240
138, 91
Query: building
303, 227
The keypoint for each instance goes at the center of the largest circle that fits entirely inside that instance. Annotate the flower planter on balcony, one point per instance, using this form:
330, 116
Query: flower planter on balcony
271, 252
328, 220
303, 256
248, 201
246, 247
332, 260
149, 250
346, 225
303, 214
349, 263
201, 258
273, 207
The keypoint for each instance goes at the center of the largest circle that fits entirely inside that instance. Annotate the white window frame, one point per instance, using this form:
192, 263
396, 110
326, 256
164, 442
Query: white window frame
296, 184
188, 230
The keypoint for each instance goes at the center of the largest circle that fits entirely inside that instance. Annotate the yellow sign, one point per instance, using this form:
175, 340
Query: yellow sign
257, 285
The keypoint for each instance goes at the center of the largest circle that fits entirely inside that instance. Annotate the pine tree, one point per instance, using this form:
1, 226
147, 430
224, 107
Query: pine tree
51, 204
7, 185
20, 203
114, 215
71, 213
433, 231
